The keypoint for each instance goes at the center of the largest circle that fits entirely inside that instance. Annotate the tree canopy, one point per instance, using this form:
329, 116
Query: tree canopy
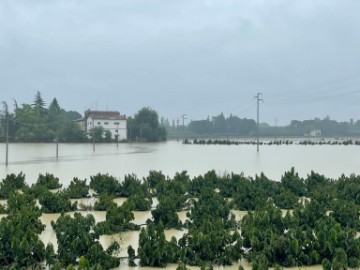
144, 126
38, 123
320, 227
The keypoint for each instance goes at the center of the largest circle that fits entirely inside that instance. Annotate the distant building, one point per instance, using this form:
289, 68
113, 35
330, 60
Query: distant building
109, 120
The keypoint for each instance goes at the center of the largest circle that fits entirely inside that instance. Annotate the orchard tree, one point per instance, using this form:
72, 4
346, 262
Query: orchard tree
153, 248
78, 237
20, 245
77, 189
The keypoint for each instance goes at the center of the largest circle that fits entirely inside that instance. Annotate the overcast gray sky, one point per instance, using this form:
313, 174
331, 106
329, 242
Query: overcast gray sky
198, 57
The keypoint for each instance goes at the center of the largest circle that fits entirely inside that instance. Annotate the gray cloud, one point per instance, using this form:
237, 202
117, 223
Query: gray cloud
195, 57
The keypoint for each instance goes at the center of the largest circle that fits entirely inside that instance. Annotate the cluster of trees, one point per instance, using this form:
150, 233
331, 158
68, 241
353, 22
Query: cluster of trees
268, 237
78, 236
327, 126
38, 123
20, 244
316, 230
219, 125
145, 126
233, 126
320, 226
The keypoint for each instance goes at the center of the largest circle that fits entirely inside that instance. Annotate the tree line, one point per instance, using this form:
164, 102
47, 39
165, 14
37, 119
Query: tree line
320, 225
37, 122
221, 126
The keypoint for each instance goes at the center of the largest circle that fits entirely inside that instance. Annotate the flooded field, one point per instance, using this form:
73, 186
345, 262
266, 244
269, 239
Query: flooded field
132, 237
79, 160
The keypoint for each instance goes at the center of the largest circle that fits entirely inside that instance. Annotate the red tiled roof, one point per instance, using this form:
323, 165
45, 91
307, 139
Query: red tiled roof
110, 115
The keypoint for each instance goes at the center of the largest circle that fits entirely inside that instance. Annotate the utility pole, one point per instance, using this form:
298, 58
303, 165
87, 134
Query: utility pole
227, 133
177, 129
93, 137
57, 141
140, 132
258, 99
183, 122
7, 133
275, 129
130, 133
117, 135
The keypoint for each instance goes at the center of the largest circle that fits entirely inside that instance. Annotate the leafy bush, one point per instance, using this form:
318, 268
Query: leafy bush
56, 203
49, 181
104, 202
118, 219
140, 202
77, 189
104, 183
77, 237
20, 245
10, 184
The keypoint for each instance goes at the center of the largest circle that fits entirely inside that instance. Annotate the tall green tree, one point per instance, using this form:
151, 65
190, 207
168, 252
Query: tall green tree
36, 123
144, 126
33, 126
39, 103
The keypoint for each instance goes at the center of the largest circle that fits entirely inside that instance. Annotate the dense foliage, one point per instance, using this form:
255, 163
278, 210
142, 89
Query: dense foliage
56, 202
220, 125
118, 219
11, 184
20, 245
77, 237
234, 126
319, 227
77, 189
104, 183
154, 250
38, 123
49, 181
145, 126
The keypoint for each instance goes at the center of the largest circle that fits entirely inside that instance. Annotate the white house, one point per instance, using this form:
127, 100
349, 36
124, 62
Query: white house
109, 120
315, 133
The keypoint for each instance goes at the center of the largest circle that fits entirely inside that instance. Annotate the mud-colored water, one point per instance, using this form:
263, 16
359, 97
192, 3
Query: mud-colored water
79, 160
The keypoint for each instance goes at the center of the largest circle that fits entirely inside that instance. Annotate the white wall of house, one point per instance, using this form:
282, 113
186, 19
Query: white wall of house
114, 126
315, 133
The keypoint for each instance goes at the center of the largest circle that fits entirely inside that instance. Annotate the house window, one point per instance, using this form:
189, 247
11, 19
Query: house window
116, 123
106, 123
99, 123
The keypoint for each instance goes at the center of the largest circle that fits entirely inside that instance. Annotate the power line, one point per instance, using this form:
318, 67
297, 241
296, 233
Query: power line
34, 125
183, 122
326, 87
315, 99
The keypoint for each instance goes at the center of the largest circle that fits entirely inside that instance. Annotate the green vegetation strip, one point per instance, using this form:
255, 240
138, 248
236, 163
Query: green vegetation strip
320, 227
276, 142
